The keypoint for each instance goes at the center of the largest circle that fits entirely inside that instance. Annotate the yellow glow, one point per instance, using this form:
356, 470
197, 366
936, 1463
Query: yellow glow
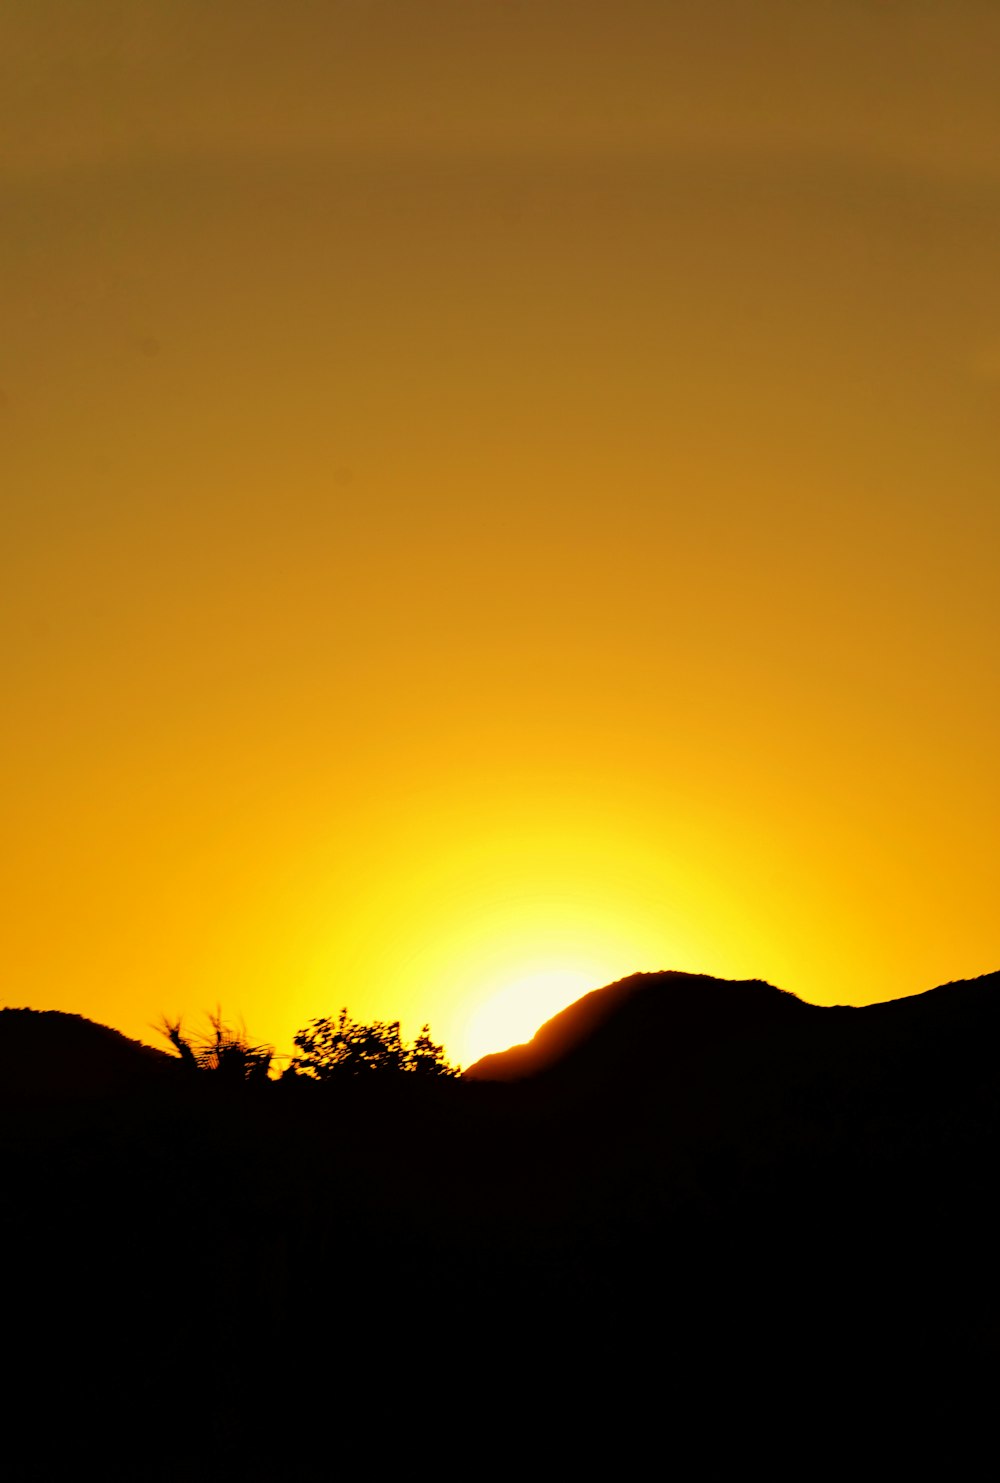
488, 933
514, 1013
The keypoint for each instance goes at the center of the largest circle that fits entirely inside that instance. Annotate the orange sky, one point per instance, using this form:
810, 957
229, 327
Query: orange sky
496, 496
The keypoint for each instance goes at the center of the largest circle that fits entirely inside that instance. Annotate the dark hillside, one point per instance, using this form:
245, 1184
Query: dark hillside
46, 1054
733, 1229
952, 1007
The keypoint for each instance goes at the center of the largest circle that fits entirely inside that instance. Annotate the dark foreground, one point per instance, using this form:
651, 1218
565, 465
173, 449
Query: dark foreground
752, 1240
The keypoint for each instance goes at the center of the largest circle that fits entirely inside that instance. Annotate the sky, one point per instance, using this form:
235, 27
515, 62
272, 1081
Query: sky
494, 497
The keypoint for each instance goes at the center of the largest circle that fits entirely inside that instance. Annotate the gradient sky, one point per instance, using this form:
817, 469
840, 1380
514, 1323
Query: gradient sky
496, 496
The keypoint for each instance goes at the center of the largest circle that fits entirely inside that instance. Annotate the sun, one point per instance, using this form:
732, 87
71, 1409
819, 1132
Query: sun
485, 913
511, 1013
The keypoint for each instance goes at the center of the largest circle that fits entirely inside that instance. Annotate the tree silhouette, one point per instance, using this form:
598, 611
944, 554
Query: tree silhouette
335, 1047
425, 1058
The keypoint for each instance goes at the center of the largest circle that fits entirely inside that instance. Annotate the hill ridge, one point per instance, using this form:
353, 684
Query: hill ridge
624, 1020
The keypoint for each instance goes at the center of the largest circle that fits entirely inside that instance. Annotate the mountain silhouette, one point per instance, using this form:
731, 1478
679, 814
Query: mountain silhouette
642, 1023
46, 1053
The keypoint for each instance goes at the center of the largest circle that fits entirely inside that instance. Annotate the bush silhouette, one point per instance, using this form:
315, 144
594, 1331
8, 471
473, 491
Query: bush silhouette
224, 1050
336, 1047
